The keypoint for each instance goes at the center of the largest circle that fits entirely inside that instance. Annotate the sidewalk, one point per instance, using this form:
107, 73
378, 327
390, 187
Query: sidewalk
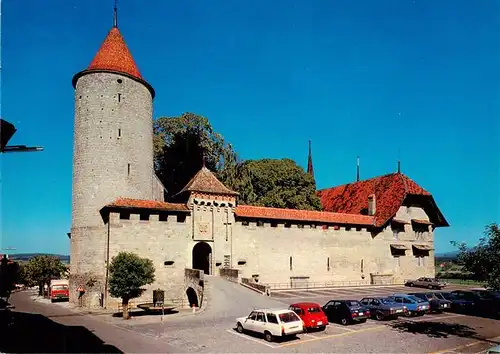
111, 316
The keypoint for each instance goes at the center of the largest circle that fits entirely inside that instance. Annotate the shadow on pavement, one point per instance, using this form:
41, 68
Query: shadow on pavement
139, 313
33, 333
434, 329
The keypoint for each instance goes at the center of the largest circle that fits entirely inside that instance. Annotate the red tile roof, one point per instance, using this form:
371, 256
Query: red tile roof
115, 56
147, 204
390, 192
206, 182
258, 212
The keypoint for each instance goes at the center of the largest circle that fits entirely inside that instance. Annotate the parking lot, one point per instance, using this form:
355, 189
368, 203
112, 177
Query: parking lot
431, 333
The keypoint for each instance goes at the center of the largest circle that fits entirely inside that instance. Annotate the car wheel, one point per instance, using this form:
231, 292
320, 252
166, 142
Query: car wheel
344, 321
240, 328
410, 284
408, 314
322, 328
379, 316
268, 336
430, 287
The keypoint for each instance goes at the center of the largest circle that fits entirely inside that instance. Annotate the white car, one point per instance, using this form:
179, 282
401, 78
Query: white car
271, 323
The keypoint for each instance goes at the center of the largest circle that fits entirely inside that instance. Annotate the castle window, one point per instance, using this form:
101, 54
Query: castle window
291, 263
119, 132
181, 217
144, 217
119, 97
328, 264
124, 216
163, 217
119, 81
242, 262
128, 169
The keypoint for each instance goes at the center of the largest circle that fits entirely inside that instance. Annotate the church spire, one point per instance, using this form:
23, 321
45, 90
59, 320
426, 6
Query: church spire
115, 15
310, 169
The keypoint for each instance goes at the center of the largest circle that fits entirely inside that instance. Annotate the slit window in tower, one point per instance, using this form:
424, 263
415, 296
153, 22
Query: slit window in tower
119, 97
128, 169
291, 263
119, 132
328, 264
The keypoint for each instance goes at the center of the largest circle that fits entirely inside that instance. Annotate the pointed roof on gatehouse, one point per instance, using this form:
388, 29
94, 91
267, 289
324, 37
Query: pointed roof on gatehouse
205, 182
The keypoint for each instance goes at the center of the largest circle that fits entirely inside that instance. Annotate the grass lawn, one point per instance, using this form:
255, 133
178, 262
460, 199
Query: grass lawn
464, 282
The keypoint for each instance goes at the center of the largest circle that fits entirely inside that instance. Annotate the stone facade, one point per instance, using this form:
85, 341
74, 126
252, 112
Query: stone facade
118, 205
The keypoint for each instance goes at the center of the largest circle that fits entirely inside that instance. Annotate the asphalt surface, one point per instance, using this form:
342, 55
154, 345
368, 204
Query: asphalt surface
212, 330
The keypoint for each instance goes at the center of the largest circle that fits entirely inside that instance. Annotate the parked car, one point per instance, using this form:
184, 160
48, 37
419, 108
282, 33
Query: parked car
494, 350
415, 305
271, 323
59, 289
383, 308
436, 304
483, 305
457, 304
346, 311
311, 314
423, 282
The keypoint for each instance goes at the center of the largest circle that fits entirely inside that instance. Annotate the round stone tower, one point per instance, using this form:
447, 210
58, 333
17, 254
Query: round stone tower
112, 156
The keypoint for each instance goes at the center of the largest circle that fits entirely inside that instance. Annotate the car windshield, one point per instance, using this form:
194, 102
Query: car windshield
440, 296
288, 317
314, 310
386, 301
353, 303
449, 296
59, 287
417, 299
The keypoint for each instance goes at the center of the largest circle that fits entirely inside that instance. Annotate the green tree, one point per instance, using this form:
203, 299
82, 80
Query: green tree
9, 275
40, 270
128, 273
276, 183
483, 260
181, 143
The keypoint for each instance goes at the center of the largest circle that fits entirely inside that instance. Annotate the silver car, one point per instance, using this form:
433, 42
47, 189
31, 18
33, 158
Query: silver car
423, 282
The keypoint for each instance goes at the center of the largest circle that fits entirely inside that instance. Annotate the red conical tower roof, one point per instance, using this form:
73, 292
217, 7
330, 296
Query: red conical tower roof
114, 55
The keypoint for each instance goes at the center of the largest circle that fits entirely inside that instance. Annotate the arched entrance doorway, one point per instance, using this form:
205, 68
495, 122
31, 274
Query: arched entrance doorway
202, 257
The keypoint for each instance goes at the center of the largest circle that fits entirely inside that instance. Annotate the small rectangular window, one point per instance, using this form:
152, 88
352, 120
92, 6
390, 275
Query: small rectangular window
128, 169
328, 264
125, 216
273, 224
291, 263
119, 132
119, 97
144, 217
181, 217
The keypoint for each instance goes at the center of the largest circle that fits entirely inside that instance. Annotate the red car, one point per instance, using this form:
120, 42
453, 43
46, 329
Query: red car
311, 314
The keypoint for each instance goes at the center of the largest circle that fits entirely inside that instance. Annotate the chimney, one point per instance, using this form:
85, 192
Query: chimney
372, 207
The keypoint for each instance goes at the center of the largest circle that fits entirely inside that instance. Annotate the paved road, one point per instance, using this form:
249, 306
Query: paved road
38, 327
212, 330
355, 293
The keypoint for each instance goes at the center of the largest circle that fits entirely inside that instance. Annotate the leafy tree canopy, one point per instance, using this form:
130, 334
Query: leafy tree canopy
181, 143
128, 273
483, 261
42, 269
278, 184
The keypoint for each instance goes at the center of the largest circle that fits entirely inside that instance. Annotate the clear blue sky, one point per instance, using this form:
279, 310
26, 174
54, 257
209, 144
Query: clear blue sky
356, 77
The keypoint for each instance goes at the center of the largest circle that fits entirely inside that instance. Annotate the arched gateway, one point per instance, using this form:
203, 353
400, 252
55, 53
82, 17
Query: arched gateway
202, 257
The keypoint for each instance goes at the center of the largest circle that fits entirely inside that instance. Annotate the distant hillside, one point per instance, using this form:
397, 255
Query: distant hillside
27, 256
447, 255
